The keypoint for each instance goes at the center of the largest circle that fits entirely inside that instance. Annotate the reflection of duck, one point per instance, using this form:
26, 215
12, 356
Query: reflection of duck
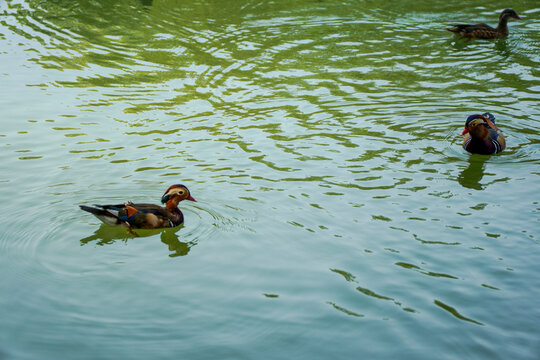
177, 247
482, 136
145, 216
106, 235
471, 176
484, 31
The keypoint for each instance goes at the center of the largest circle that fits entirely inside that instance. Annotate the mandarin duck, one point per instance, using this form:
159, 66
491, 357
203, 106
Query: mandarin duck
484, 31
145, 216
482, 136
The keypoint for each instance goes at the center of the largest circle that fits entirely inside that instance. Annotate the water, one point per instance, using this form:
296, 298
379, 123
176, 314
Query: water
337, 215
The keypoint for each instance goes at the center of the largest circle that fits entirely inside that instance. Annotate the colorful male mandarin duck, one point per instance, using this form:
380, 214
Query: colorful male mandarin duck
484, 31
482, 136
145, 216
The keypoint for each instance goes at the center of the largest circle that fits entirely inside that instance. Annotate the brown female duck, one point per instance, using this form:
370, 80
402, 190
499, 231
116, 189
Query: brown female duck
145, 216
482, 136
484, 31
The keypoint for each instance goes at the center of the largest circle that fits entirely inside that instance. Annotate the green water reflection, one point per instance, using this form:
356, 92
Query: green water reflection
107, 235
472, 175
338, 215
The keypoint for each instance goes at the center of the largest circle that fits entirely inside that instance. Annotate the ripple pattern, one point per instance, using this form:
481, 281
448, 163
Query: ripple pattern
321, 139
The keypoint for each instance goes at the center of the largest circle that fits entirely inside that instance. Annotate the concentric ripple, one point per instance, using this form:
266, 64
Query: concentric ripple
321, 140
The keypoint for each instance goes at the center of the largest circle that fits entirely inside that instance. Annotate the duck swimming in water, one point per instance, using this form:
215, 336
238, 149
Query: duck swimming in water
484, 31
145, 216
482, 136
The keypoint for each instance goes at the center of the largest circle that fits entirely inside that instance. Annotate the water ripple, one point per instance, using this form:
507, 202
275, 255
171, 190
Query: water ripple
316, 135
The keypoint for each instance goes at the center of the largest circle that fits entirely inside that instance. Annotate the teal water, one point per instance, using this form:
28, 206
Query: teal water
337, 215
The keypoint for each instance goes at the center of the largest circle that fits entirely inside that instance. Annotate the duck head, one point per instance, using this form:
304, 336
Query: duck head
176, 193
508, 13
477, 126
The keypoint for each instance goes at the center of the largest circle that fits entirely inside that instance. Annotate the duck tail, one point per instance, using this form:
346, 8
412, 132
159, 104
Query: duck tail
105, 216
92, 210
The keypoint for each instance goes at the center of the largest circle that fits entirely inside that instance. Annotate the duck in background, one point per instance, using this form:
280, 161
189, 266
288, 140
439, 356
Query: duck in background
484, 31
482, 136
145, 216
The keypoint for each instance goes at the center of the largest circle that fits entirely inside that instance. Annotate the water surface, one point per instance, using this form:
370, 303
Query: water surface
337, 215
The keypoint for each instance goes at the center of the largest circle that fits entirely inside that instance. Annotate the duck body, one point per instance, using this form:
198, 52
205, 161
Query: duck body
144, 216
482, 136
484, 31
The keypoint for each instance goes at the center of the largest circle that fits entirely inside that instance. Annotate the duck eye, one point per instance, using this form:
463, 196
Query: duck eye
181, 192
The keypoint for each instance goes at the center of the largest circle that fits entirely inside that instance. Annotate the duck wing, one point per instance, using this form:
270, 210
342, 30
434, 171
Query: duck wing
469, 27
138, 216
483, 31
139, 207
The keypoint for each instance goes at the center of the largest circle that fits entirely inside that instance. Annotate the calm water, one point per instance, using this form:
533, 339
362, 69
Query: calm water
338, 216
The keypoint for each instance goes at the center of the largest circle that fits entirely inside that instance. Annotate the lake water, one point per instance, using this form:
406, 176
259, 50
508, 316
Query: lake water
338, 216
